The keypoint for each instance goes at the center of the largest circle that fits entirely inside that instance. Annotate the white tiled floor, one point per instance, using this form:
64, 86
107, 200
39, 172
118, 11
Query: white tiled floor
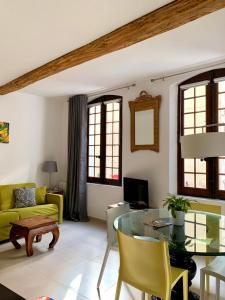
70, 271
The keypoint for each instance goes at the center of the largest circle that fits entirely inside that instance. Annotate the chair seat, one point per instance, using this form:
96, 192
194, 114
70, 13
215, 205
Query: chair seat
216, 268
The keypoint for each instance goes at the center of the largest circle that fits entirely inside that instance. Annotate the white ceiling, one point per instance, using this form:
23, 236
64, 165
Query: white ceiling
35, 32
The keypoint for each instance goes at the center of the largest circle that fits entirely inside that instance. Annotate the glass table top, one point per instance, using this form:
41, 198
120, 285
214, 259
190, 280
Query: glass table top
202, 234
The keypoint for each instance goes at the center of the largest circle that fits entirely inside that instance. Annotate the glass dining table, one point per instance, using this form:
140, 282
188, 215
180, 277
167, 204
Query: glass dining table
203, 234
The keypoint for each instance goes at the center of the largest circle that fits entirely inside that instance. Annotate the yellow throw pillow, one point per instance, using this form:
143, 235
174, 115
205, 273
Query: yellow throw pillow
40, 195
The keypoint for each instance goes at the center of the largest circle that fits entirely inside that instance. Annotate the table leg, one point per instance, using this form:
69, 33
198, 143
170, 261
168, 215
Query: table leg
55, 233
29, 241
183, 261
38, 238
12, 238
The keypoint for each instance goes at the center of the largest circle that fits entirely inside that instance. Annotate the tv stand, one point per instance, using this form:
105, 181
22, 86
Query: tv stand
138, 205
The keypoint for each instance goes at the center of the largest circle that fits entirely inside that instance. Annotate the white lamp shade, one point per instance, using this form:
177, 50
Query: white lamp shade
202, 145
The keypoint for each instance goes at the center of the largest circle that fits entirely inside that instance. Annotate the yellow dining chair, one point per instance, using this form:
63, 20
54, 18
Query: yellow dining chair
211, 208
145, 264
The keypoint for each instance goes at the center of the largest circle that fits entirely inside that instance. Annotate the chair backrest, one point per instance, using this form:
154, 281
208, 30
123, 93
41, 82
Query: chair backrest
211, 208
145, 265
113, 211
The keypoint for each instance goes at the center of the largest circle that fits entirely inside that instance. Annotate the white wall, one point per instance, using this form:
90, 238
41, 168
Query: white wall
32, 134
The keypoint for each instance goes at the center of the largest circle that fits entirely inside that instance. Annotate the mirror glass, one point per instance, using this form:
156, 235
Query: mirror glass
144, 127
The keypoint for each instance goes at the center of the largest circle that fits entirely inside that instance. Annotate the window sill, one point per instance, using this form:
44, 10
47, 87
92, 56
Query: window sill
105, 184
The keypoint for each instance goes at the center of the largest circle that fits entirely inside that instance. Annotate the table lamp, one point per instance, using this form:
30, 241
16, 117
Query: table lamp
50, 167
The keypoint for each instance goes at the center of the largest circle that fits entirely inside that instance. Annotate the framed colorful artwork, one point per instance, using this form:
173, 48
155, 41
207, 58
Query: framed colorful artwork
4, 132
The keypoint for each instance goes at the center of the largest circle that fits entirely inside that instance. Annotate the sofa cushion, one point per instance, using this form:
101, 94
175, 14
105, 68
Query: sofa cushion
24, 197
40, 194
38, 210
6, 194
7, 217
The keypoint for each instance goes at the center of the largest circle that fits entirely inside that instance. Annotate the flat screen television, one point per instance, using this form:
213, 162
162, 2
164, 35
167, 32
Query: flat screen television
135, 192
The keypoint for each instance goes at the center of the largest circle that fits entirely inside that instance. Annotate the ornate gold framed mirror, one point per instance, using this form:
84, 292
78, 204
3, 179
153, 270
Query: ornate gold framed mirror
145, 122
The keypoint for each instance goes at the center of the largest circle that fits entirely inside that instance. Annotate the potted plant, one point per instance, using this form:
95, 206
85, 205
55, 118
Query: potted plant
178, 206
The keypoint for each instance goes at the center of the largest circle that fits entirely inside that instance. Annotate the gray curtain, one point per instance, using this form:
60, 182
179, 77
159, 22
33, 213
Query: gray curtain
75, 206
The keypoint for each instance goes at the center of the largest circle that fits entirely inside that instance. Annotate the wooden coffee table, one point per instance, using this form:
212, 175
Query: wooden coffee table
31, 227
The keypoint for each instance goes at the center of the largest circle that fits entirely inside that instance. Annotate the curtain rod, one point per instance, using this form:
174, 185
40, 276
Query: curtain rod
185, 72
112, 90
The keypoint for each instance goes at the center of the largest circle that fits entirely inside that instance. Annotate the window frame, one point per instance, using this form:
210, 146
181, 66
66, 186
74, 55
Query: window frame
212, 165
102, 179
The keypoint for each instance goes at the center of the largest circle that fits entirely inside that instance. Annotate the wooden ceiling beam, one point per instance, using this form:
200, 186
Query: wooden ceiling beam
168, 17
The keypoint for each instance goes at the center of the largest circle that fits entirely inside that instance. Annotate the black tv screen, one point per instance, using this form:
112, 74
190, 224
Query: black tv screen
135, 192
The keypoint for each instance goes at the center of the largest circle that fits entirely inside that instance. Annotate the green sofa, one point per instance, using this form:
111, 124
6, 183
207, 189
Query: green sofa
52, 207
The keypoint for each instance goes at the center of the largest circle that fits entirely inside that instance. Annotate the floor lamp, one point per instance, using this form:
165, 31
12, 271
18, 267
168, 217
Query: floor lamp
203, 145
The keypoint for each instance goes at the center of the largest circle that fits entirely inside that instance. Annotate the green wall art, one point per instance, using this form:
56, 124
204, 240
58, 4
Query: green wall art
4, 132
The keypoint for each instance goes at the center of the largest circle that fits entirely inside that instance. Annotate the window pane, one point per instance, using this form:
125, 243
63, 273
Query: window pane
201, 231
115, 162
116, 127
91, 150
91, 161
109, 106
91, 129
92, 110
109, 116
98, 108
109, 128
97, 129
221, 85
108, 150
91, 139
116, 139
199, 130
200, 119
222, 182
200, 90
97, 150
115, 150
97, 118
200, 218
115, 174
221, 129
91, 172
116, 116
201, 181
222, 165
222, 116
108, 173
189, 131
189, 165
189, 93
109, 139
97, 139
189, 180
97, 172
189, 120
91, 119
116, 106
189, 106
200, 104
222, 101
108, 161
97, 162
200, 166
